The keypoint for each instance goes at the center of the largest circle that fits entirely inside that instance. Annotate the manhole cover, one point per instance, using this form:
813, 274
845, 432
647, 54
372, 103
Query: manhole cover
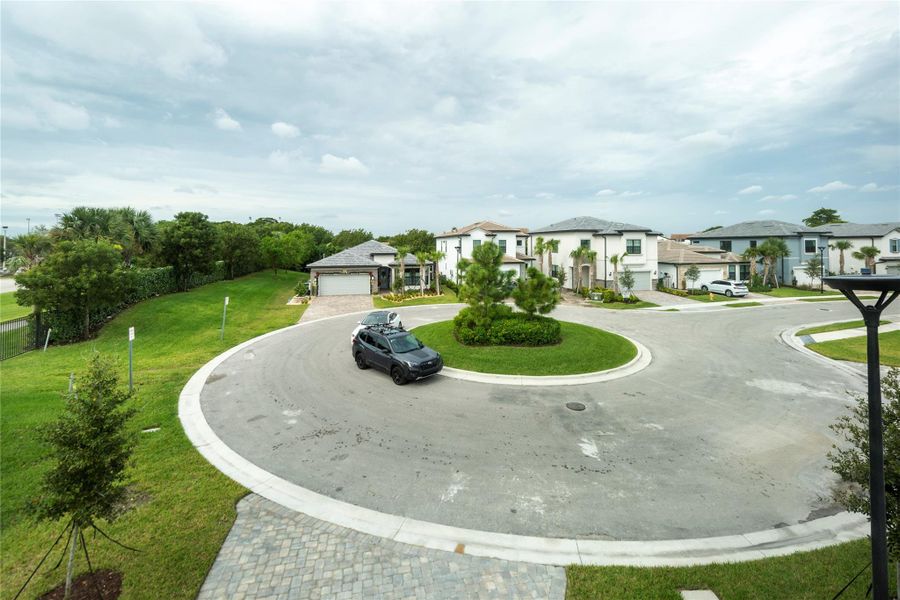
575, 406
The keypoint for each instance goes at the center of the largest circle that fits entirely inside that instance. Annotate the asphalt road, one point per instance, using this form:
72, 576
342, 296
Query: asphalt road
725, 432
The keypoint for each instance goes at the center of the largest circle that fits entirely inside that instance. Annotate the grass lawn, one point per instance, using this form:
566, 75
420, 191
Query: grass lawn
842, 298
583, 350
854, 349
447, 297
9, 309
804, 576
623, 305
188, 506
706, 298
742, 304
790, 292
835, 327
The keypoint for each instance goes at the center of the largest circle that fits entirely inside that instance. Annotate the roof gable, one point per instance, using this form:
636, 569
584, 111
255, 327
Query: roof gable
361, 256
859, 229
592, 224
487, 226
758, 229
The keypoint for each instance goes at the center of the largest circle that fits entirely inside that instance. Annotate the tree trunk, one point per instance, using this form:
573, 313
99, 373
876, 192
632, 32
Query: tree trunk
841, 263
616, 278
437, 279
765, 272
70, 567
87, 323
422, 279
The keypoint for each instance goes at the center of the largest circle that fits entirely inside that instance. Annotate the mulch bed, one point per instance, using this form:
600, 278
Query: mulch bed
109, 582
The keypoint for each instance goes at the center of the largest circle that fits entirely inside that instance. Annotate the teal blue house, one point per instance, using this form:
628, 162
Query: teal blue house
804, 243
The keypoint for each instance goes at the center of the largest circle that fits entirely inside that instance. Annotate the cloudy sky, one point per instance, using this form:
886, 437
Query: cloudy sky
674, 116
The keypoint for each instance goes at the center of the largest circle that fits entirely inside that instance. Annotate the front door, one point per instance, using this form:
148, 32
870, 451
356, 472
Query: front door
384, 279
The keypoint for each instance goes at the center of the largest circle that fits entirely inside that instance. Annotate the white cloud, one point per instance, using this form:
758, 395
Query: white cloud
753, 189
720, 212
834, 186
224, 122
874, 187
766, 211
446, 107
285, 130
707, 140
782, 198
606, 192
46, 114
629, 194
342, 166
111, 122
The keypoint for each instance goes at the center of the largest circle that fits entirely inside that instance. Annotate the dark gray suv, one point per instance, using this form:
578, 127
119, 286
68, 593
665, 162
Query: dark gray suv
396, 352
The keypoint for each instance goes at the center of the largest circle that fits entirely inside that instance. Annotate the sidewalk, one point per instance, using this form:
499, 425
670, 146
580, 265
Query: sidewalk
697, 306
845, 333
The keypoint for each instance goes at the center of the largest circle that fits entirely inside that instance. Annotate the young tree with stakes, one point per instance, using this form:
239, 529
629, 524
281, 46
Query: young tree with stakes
627, 279
90, 448
813, 269
692, 274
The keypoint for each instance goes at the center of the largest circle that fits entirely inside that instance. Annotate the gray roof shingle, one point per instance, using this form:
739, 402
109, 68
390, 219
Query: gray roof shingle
859, 229
361, 256
593, 224
758, 229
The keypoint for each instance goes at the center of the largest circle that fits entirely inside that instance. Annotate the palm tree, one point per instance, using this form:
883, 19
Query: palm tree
539, 249
134, 230
577, 256
422, 257
550, 246
84, 223
771, 250
868, 254
402, 251
436, 256
752, 255
32, 247
841, 245
591, 256
614, 260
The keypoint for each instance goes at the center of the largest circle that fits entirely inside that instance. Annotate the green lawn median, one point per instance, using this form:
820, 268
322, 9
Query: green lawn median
583, 350
623, 305
742, 304
854, 349
835, 327
791, 292
184, 507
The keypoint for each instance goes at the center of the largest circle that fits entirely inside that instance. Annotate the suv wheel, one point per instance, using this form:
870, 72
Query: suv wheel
728, 293
398, 376
361, 361
703, 288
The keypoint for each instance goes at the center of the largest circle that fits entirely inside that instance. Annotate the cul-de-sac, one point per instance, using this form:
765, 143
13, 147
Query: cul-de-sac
450, 301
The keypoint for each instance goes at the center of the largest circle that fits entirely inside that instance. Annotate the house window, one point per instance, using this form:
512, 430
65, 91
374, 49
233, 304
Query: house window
554, 270
895, 246
732, 272
502, 244
745, 272
753, 243
809, 246
476, 243
587, 244
633, 246
725, 245
695, 241
519, 243
411, 277
444, 246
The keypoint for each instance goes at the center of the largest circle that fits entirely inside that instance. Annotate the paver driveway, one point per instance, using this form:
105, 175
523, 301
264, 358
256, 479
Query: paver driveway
329, 306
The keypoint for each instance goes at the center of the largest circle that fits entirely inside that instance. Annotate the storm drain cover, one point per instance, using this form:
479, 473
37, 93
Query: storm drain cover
575, 406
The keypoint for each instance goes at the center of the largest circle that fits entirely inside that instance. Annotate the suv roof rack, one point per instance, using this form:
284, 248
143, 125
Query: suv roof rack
385, 328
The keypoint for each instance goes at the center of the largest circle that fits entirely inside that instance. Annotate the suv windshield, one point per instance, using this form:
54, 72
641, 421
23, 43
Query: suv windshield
376, 319
405, 343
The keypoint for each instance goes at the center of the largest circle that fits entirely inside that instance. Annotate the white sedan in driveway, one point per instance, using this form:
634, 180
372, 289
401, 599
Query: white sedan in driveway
727, 287
378, 317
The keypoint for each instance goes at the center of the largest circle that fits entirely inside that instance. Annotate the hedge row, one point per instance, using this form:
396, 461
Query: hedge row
140, 284
506, 328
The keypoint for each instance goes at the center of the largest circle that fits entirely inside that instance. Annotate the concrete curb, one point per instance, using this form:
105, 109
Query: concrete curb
718, 306
640, 362
790, 338
556, 551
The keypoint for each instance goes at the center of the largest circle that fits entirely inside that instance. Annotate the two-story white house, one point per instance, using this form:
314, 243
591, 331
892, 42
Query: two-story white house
884, 236
607, 239
458, 243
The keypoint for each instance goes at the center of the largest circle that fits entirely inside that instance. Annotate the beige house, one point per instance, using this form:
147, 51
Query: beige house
676, 257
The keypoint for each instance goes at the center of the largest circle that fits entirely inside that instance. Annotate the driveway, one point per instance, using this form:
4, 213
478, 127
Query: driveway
330, 306
722, 441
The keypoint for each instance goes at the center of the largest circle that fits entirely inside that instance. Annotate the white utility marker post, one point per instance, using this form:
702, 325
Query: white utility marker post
130, 358
224, 312
47, 341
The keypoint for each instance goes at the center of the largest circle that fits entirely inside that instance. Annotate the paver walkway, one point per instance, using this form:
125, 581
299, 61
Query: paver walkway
842, 334
330, 306
274, 552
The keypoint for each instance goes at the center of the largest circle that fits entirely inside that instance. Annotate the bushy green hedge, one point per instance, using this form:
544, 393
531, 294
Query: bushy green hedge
613, 296
140, 285
673, 291
449, 284
506, 328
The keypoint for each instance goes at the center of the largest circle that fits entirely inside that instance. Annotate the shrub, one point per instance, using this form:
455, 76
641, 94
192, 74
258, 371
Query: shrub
401, 296
506, 328
673, 291
449, 284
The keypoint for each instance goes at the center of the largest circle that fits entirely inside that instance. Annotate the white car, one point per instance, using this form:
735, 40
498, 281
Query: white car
379, 317
726, 287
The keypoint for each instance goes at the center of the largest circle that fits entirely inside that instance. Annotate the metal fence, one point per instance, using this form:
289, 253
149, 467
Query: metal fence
18, 336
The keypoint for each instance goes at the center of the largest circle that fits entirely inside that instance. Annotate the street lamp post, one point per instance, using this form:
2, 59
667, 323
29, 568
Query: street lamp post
890, 289
822, 269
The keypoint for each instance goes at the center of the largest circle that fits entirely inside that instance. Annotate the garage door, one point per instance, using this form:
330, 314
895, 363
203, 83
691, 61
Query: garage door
642, 280
344, 285
707, 275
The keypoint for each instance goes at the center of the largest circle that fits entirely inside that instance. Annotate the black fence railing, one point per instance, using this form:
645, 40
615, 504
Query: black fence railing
18, 336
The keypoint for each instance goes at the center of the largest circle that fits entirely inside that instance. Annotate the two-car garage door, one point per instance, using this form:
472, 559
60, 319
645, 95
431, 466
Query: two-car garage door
343, 284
